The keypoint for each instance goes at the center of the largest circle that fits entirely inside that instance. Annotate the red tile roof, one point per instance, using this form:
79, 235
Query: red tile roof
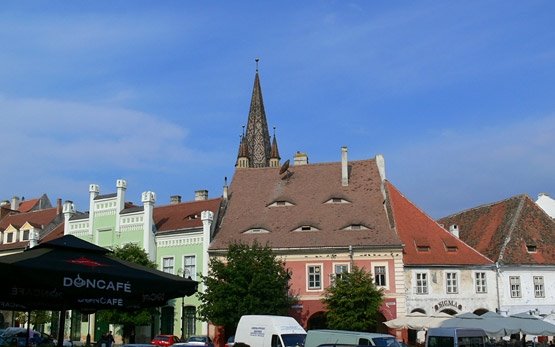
39, 217
417, 229
185, 215
27, 205
503, 230
307, 188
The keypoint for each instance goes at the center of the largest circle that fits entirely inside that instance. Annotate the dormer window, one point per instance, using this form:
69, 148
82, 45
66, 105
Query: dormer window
257, 231
306, 228
9, 237
450, 244
280, 203
531, 248
192, 216
337, 201
355, 227
422, 244
423, 248
25, 236
451, 248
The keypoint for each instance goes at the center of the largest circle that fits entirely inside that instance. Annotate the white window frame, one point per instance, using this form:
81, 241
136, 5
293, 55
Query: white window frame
319, 274
166, 267
539, 287
13, 236
480, 282
385, 274
192, 267
515, 287
451, 282
421, 284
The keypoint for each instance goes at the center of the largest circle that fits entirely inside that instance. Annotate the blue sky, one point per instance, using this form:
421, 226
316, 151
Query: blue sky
457, 95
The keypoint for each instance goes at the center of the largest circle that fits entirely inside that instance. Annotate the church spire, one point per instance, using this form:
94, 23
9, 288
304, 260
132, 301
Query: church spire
243, 155
274, 154
257, 136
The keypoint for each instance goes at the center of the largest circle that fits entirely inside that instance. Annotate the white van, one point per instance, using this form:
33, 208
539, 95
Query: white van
315, 338
456, 337
269, 331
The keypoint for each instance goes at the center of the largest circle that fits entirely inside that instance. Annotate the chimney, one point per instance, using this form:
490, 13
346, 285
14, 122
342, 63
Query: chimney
68, 210
201, 195
454, 230
4, 203
344, 167
15, 203
300, 159
58, 206
225, 189
175, 199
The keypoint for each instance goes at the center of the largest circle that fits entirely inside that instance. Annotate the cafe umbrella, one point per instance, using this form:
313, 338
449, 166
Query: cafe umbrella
69, 273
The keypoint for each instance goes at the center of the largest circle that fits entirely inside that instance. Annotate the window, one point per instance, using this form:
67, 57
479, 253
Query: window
167, 264
480, 281
452, 286
355, 227
25, 235
190, 267
421, 283
380, 276
315, 277
9, 237
515, 286
340, 269
538, 287
306, 228
531, 248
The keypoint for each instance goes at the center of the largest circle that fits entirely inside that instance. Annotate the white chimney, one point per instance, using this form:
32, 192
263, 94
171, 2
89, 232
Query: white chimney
454, 230
33, 238
201, 195
15, 203
94, 190
300, 159
175, 199
344, 167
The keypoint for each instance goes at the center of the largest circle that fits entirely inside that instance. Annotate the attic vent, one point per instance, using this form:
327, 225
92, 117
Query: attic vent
257, 231
306, 228
450, 244
451, 248
422, 244
531, 248
280, 203
355, 227
337, 201
423, 248
192, 216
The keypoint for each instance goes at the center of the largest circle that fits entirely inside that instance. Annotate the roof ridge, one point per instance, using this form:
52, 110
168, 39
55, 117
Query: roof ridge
512, 226
187, 202
482, 206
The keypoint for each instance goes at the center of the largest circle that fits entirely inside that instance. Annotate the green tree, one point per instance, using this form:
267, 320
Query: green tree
129, 319
353, 301
251, 280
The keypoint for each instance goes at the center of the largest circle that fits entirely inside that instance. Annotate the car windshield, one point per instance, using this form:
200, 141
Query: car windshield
385, 342
293, 340
196, 339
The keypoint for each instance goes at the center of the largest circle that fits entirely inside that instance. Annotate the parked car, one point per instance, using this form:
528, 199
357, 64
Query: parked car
17, 336
196, 341
165, 340
230, 341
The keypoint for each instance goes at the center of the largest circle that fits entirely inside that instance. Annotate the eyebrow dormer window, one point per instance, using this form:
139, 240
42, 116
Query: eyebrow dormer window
257, 231
306, 228
337, 201
355, 227
451, 248
531, 248
280, 203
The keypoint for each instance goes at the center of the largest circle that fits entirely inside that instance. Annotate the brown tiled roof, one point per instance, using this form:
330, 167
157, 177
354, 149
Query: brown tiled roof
185, 215
307, 188
39, 217
502, 231
54, 234
417, 229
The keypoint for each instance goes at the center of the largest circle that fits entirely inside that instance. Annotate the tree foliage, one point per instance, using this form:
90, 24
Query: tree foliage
353, 301
251, 280
135, 254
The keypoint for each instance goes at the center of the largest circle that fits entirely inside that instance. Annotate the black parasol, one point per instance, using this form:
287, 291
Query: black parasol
69, 273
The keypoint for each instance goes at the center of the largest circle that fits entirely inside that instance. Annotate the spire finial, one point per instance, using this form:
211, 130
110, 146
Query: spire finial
257, 60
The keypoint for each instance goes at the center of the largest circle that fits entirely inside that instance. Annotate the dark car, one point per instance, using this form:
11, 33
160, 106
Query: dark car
16, 336
165, 340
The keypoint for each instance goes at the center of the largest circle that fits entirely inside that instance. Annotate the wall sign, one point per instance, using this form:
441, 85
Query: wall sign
447, 304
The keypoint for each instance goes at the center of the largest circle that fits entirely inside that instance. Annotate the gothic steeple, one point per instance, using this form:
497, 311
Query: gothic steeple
274, 154
257, 136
